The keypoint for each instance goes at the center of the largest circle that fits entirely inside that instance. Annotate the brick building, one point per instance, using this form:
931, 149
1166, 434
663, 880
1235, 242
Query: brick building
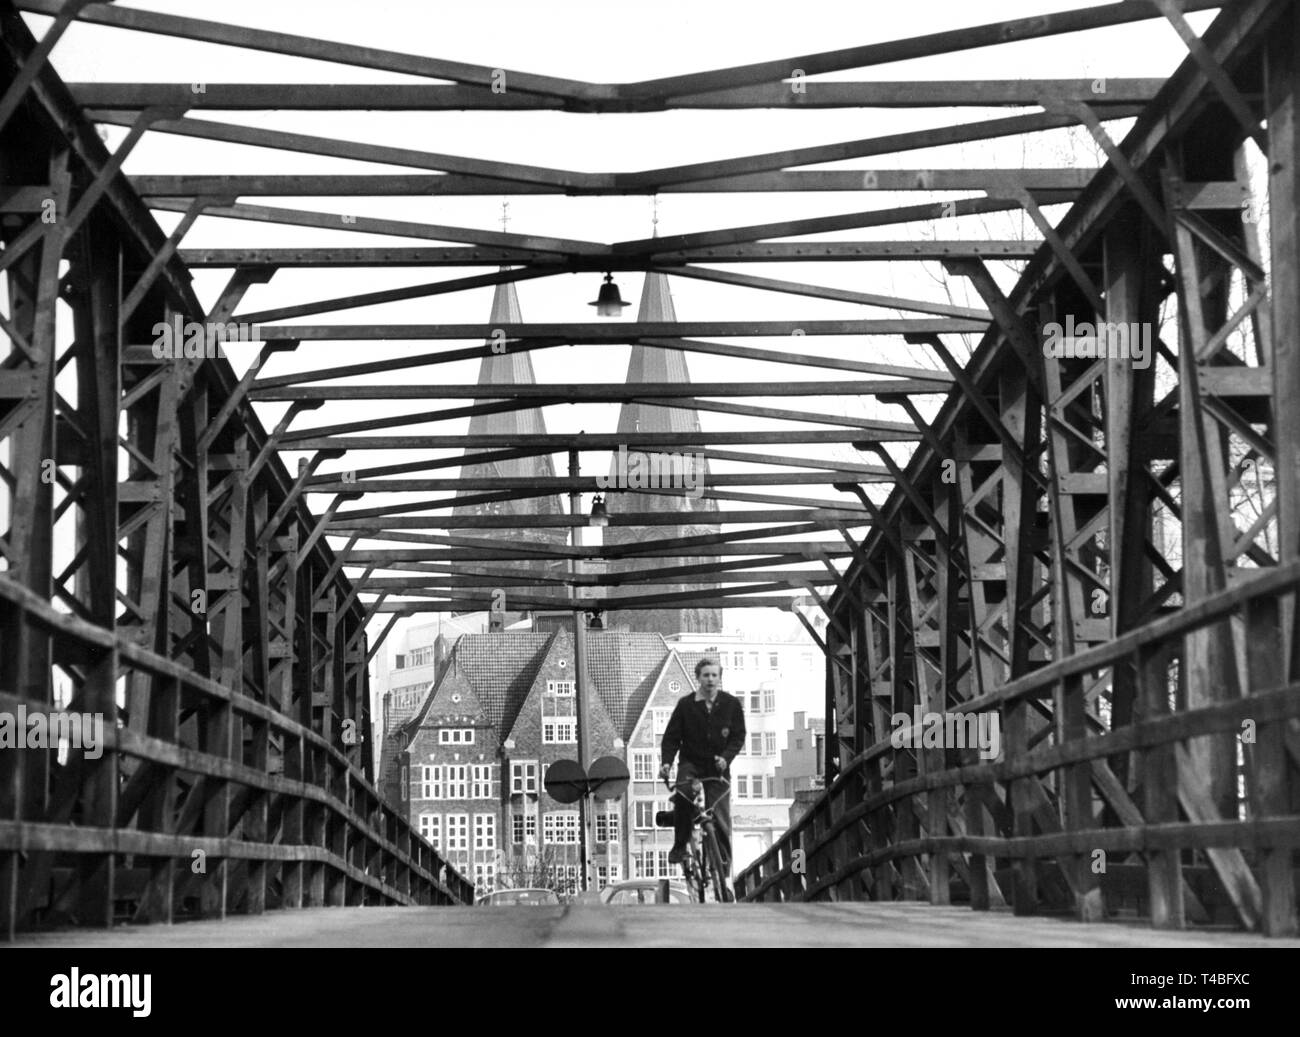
467, 766
470, 764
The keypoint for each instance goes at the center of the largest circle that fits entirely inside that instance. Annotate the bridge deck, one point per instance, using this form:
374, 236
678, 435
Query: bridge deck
764, 925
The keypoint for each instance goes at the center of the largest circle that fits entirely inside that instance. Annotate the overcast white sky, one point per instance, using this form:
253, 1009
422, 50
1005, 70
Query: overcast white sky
601, 41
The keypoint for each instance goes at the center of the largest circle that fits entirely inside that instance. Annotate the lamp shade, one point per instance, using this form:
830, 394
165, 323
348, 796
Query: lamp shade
609, 303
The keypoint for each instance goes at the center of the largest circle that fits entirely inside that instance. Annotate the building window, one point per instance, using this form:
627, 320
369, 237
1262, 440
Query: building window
769, 743
455, 781
485, 832
646, 864
566, 879
643, 813
755, 701
773, 661
457, 832
738, 660
482, 776
606, 874
768, 782
456, 736
559, 732
523, 777
807, 659
429, 828
756, 743
769, 700
742, 786
485, 875
753, 660
607, 827
429, 786
658, 721
798, 743
523, 828
559, 687
560, 826
643, 765
419, 657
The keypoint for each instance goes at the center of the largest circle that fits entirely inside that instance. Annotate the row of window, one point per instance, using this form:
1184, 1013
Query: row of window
653, 864
456, 781
416, 657
478, 781
559, 731
755, 658
450, 832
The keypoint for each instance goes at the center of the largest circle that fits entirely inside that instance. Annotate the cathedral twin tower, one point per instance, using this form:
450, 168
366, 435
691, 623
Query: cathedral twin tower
697, 513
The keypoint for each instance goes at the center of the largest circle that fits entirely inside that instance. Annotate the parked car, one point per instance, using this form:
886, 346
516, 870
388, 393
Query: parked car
520, 897
643, 891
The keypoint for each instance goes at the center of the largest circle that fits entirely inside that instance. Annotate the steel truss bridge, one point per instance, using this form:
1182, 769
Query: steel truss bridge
1105, 555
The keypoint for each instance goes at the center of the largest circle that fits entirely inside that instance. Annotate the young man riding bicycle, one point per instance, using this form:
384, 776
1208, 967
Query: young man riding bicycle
707, 728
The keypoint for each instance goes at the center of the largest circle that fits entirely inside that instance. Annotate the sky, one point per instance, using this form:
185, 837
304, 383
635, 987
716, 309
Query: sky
604, 42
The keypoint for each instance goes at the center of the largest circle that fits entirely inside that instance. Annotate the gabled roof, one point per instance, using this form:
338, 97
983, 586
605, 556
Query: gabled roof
623, 669
690, 657
500, 667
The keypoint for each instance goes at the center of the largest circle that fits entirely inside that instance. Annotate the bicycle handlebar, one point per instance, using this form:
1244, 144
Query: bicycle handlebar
671, 787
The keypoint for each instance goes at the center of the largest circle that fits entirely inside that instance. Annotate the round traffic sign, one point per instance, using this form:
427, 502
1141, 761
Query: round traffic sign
565, 781
608, 777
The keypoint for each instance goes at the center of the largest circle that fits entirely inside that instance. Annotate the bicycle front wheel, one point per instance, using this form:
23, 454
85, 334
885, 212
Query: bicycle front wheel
717, 877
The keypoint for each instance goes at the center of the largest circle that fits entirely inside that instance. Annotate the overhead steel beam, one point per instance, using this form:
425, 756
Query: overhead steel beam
946, 42
778, 252
586, 483
602, 441
631, 518
613, 333
286, 185
433, 97
122, 17
607, 393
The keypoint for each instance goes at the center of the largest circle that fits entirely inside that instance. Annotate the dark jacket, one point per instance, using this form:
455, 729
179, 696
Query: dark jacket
700, 735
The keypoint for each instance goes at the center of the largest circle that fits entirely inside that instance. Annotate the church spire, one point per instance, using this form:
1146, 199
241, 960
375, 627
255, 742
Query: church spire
698, 515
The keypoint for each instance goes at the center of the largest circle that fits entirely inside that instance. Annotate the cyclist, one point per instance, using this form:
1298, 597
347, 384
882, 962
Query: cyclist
708, 728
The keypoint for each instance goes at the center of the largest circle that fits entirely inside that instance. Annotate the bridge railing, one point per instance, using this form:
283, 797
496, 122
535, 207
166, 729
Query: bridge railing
872, 835
179, 813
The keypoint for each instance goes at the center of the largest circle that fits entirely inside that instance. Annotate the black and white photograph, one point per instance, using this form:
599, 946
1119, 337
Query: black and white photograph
676, 475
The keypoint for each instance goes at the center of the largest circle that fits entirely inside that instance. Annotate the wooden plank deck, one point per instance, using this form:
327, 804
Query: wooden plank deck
750, 925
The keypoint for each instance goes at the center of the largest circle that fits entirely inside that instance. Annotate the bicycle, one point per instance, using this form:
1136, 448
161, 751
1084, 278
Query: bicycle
703, 865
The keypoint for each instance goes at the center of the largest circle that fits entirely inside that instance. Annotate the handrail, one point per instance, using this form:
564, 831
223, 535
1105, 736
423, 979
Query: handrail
338, 786
775, 870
